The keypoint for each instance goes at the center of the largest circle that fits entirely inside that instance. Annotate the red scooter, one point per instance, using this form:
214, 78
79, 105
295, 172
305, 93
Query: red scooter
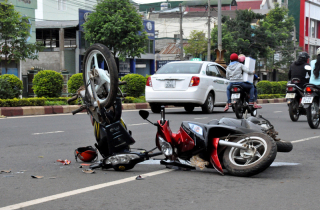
239, 146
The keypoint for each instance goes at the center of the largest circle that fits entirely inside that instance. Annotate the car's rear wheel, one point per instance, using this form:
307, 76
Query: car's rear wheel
189, 108
208, 105
155, 108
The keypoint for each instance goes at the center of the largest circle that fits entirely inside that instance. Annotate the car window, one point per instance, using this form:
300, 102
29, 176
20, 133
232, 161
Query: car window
213, 71
222, 71
180, 68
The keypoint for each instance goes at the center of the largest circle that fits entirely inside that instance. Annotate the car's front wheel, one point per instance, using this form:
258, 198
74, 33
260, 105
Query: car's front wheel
155, 108
208, 105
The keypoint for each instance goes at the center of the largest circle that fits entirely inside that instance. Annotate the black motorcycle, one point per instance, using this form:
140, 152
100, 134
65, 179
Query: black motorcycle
240, 102
294, 95
311, 103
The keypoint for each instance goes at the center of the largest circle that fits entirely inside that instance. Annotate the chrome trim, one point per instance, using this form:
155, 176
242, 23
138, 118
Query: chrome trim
231, 144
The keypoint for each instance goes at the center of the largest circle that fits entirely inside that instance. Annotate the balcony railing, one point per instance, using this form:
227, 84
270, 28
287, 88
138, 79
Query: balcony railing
68, 43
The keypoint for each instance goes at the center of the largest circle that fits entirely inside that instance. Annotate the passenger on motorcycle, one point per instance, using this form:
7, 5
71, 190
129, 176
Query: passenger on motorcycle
300, 69
315, 69
234, 75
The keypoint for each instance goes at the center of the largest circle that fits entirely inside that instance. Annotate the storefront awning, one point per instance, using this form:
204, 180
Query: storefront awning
57, 24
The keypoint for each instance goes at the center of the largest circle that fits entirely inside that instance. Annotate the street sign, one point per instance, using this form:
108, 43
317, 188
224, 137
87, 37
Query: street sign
196, 59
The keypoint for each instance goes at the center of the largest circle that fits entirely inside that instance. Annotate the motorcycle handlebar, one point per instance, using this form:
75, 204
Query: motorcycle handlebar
75, 97
79, 110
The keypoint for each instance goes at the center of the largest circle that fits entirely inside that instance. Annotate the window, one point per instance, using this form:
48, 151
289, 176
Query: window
213, 71
149, 46
62, 4
176, 38
313, 28
222, 71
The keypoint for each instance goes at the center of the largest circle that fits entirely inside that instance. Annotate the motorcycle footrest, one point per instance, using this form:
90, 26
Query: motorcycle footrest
175, 163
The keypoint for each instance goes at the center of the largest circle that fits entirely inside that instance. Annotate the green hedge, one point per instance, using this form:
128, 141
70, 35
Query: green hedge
74, 83
135, 86
16, 85
35, 102
267, 87
270, 96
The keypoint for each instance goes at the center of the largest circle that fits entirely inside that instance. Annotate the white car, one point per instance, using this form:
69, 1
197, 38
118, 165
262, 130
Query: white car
188, 84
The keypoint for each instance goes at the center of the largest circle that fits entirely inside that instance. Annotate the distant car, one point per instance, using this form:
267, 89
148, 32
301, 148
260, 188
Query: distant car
189, 84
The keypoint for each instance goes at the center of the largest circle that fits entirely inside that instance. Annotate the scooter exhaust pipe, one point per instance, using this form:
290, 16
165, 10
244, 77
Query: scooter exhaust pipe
231, 144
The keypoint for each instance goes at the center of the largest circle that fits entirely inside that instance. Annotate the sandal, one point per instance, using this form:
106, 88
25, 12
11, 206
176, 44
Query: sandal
256, 106
226, 108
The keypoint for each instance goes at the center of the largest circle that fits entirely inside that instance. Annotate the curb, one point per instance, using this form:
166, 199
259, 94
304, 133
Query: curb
42, 110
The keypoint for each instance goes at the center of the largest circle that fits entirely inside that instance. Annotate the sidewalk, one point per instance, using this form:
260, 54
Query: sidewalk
41, 110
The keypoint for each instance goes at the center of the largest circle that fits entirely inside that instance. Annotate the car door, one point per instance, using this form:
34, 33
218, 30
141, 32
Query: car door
226, 81
218, 83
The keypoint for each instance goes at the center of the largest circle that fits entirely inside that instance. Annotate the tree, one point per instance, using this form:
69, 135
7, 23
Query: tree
197, 44
118, 25
14, 31
279, 26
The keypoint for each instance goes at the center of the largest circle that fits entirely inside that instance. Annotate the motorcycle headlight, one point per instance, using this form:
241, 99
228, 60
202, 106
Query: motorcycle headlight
121, 159
165, 146
196, 128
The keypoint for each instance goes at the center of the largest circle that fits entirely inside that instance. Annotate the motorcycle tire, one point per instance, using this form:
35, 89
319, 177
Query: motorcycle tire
284, 146
313, 118
237, 163
293, 112
155, 108
99, 54
239, 109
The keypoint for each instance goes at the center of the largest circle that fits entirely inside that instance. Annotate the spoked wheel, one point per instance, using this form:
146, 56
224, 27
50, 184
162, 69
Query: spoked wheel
100, 76
313, 114
293, 111
261, 153
239, 109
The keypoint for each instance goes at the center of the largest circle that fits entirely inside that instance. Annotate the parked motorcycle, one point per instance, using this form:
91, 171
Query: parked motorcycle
240, 102
293, 96
243, 147
311, 102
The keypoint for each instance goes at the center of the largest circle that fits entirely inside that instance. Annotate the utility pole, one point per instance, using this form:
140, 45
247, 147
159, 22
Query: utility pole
209, 44
294, 42
219, 27
181, 39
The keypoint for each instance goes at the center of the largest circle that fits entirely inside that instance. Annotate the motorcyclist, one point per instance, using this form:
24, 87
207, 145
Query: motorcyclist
234, 75
315, 69
300, 69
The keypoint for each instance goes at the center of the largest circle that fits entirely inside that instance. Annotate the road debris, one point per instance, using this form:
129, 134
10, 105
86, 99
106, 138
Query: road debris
85, 164
2, 116
37, 177
88, 171
80, 166
5, 171
64, 162
139, 178
40, 156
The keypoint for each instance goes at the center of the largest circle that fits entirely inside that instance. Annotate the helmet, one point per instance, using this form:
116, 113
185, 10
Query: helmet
303, 56
241, 58
233, 57
318, 51
86, 154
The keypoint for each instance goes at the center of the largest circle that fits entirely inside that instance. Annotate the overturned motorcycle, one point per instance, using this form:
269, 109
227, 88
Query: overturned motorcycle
243, 147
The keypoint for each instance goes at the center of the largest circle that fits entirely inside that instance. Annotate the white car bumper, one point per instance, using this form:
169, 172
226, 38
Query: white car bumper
191, 95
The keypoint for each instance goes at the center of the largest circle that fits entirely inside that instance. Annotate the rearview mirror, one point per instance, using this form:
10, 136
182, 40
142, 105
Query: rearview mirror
144, 114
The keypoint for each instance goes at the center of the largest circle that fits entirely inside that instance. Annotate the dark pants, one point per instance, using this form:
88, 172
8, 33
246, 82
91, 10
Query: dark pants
245, 85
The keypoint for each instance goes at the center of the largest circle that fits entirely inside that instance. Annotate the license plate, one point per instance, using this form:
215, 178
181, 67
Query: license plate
306, 100
170, 83
290, 95
235, 96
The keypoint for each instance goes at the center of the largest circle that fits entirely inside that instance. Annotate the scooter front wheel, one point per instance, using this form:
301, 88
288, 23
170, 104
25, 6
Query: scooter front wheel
100, 76
258, 157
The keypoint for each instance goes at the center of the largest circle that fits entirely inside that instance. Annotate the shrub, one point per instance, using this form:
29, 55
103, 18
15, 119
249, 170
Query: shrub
264, 87
6, 92
270, 96
22, 102
47, 83
15, 84
276, 87
128, 99
135, 86
283, 85
75, 82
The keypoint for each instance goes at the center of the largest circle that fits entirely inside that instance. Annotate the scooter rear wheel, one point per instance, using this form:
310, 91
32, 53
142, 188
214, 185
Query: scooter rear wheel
239, 109
240, 162
313, 114
293, 111
100, 76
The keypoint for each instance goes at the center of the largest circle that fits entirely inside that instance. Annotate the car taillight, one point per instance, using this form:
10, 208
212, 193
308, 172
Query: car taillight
149, 82
195, 81
308, 90
235, 89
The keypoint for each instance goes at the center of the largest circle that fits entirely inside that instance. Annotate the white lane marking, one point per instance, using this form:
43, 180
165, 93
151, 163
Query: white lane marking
277, 111
201, 118
274, 164
82, 190
305, 139
48, 132
138, 124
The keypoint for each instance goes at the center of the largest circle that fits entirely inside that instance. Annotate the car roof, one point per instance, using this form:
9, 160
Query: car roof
202, 62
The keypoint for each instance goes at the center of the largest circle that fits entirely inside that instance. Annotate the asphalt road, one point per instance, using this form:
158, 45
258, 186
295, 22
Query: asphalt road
35, 143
